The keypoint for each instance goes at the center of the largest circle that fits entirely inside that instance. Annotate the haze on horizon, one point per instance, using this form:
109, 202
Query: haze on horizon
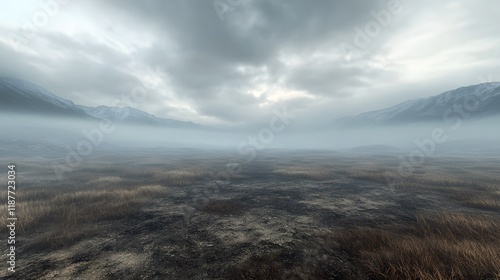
233, 67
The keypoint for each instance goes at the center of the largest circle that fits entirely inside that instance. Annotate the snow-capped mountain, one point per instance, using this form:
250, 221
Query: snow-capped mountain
484, 98
24, 97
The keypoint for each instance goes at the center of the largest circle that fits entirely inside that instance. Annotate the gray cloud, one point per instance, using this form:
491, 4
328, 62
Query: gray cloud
263, 52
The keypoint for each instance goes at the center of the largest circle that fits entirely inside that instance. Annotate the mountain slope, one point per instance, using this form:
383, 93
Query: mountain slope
132, 115
24, 97
485, 96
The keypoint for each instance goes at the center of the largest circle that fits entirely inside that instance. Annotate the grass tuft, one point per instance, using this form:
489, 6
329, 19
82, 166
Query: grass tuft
446, 246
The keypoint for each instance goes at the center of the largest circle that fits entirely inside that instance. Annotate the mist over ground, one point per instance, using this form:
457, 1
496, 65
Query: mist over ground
59, 132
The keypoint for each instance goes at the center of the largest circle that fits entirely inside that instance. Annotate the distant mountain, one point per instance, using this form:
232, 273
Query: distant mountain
432, 108
25, 97
132, 115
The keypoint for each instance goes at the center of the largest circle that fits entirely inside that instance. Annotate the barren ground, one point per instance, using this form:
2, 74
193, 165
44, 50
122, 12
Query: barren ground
284, 216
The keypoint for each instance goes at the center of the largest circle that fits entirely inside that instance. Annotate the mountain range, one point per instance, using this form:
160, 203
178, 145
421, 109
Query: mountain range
21, 96
482, 100
25, 97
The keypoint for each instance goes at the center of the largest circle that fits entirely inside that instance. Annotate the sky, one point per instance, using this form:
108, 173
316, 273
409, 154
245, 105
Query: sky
232, 62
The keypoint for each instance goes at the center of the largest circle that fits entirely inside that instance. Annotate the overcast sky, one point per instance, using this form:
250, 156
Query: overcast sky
233, 62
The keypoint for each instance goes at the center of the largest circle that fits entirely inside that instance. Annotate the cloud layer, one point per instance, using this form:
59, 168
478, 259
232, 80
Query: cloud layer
230, 62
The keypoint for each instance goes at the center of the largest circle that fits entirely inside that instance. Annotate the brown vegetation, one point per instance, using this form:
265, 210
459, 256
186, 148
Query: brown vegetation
445, 246
62, 218
317, 174
315, 218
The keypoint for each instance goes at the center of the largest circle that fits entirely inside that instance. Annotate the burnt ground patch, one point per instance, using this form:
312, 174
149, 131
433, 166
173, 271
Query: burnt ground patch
262, 225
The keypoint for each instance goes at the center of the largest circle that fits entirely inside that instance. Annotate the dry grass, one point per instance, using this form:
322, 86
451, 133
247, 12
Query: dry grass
480, 200
180, 177
317, 174
447, 246
378, 176
294, 264
471, 193
126, 176
444, 246
60, 218
259, 267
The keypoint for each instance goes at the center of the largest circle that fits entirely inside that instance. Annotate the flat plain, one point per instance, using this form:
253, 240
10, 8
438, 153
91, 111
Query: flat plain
183, 214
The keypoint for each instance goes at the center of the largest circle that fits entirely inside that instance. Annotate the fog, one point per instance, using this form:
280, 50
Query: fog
55, 134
